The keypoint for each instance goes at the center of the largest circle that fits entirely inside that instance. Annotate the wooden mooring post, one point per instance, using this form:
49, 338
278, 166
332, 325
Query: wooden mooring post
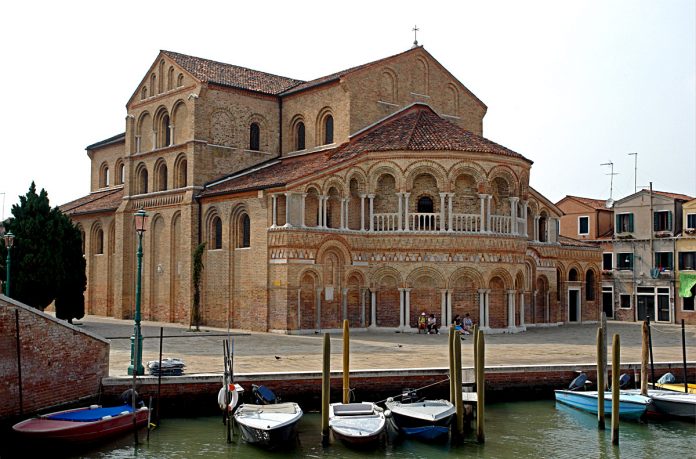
346, 362
615, 370
644, 355
450, 359
480, 386
600, 379
459, 405
325, 390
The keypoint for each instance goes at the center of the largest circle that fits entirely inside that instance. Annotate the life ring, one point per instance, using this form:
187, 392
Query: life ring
234, 398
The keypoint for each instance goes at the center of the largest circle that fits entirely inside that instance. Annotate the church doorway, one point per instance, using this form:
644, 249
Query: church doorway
573, 305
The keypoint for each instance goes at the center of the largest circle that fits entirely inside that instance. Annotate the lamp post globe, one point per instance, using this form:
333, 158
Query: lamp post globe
9, 242
136, 362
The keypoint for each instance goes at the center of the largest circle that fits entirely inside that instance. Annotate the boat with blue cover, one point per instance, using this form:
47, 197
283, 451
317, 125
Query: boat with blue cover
631, 406
425, 419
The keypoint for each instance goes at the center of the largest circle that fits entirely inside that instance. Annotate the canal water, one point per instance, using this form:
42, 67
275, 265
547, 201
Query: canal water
539, 429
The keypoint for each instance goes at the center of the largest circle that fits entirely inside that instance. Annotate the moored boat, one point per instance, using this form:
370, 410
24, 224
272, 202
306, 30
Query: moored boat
631, 406
356, 424
269, 425
83, 425
677, 387
426, 419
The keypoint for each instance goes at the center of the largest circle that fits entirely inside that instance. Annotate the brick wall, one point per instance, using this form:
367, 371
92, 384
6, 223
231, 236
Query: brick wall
59, 362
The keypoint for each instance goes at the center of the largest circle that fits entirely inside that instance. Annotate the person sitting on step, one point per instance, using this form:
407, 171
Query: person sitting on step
422, 323
432, 325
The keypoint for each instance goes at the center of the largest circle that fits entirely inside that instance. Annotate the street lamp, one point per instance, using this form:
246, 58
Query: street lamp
9, 242
136, 362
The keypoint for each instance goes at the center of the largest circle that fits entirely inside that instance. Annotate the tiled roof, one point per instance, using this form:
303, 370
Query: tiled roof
415, 128
681, 197
97, 201
232, 75
111, 140
590, 202
567, 241
337, 75
419, 128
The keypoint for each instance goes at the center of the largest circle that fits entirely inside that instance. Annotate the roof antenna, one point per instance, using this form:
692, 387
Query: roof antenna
610, 201
415, 36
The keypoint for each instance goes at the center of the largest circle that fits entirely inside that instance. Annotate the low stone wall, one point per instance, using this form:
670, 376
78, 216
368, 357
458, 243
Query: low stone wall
59, 362
197, 394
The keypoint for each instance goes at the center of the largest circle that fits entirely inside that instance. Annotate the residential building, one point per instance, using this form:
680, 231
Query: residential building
685, 265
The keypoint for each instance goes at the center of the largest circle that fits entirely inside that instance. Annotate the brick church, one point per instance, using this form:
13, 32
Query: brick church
369, 194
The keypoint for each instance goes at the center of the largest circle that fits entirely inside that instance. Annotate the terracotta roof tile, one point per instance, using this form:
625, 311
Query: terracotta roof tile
567, 241
416, 128
679, 196
591, 202
97, 201
233, 75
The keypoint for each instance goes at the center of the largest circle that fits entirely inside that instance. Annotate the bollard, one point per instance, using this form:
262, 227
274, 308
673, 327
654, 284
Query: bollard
480, 386
325, 390
644, 355
615, 369
450, 354
600, 379
346, 362
459, 405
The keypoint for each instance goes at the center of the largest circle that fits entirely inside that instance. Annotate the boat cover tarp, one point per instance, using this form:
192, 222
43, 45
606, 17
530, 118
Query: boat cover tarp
90, 415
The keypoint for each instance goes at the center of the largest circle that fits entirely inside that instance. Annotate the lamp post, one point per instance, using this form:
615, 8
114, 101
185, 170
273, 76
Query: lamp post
136, 362
9, 242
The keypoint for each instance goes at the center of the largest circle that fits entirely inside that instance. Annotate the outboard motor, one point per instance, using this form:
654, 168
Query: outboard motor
409, 396
578, 383
667, 378
263, 395
127, 398
624, 379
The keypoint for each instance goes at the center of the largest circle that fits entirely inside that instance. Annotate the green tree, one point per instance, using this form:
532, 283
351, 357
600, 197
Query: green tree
47, 261
197, 271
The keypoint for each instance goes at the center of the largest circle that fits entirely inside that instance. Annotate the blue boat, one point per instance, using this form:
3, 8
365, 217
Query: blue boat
426, 419
631, 406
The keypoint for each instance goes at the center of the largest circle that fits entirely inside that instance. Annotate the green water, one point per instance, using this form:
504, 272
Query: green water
539, 429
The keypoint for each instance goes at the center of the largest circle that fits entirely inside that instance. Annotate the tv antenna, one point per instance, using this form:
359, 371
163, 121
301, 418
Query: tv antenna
635, 171
610, 201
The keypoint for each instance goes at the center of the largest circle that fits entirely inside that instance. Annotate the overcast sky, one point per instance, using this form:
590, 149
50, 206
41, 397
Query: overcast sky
569, 85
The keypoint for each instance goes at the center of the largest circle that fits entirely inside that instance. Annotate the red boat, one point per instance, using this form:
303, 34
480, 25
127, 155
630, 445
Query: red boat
82, 425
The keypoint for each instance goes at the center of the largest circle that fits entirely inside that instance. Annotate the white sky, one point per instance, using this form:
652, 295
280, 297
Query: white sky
570, 85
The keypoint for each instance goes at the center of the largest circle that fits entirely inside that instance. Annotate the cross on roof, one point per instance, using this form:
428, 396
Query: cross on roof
415, 35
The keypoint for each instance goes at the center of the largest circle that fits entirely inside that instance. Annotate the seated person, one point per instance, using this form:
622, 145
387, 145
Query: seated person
422, 322
432, 325
457, 322
467, 324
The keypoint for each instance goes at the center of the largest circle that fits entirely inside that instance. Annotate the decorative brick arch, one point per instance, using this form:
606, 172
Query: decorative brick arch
504, 275
382, 272
337, 183
160, 124
426, 167
382, 168
507, 174
320, 126
472, 169
264, 131
334, 243
180, 121
578, 269
389, 85
239, 235
428, 271
361, 178
309, 271
471, 273
312, 185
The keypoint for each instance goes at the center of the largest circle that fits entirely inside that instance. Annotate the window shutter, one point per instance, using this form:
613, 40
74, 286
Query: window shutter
670, 260
681, 260
618, 225
656, 221
669, 221
630, 255
630, 224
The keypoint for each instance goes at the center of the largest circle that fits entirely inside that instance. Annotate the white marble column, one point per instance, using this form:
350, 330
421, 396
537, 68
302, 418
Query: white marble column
347, 205
511, 309
489, 198
525, 232
450, 198
324, 212
406, 223
343, 210
407, 308
373, 309
535, 230
449, 308
299, 308
171, 135
344, 302
401, 308
302, 210
362, 212
483, 213
442, 211
137, 144
513, 215
287, 209
154, 140
400, 218
371, 197
522, 309
363, 291
483, 308
444, 320
547, 312
275, 210
318, 307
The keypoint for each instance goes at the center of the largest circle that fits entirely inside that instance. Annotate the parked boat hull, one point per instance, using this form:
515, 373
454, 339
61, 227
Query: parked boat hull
362, 427
677, 387
427, 420
675, 404
46, 428
631, 406
269, 438
269, 425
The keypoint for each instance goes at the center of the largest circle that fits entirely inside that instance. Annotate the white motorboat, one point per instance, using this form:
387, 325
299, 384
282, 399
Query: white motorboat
356, 424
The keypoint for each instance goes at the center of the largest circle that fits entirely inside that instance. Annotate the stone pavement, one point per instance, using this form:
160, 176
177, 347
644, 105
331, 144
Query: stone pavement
270, 352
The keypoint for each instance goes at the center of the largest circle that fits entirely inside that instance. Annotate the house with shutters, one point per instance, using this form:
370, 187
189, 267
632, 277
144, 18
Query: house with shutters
686, 265
647, 225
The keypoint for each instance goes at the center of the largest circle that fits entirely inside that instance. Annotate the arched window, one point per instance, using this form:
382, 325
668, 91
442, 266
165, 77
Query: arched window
572, 275
590, 285
254, 137
425, 205
300, 136
180, 172
142, 181
153, 84
166, 132
180, 80
170, 79
215, 238
244, 231
104, 176
98, 243
121, 174
161, 176
143, 93
328, 129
